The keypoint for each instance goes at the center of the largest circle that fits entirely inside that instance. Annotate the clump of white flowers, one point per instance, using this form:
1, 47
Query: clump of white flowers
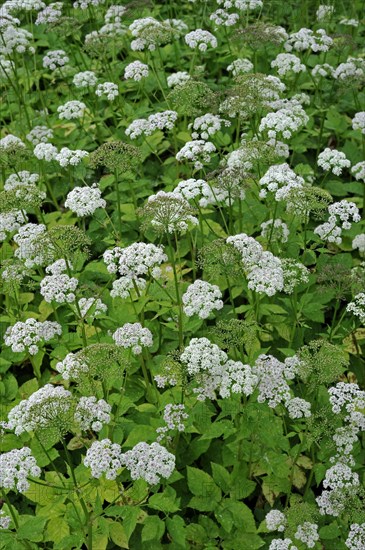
136, 71
357, 306
276, 230
135, 260
168, 212
26, 336
223, 17
333, 160
282, 544
359, 242
30, 249
85, 79
201, 39
178, 78
174, 417
158, 121
85, 200
45, 151
307, 532
58, 287
201, 298
50, 14
11, 221
4, 520
287, 63
149, 462
92, 414
304, 39
275, 520
67, 157
71, 367
236, 378
39, 134
54, 59
198, 152
133, 336
358, 171
15, 467
358, 122
240, 66
322, 70
91, 307
284, 122
279, 179
207, 125
71, 110
324, 12
356, 537
107, 89
352, 69
103, 457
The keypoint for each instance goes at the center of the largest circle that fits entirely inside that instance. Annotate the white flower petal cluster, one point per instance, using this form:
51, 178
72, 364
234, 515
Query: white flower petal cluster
85, 79
108, 89
20, 179
201, 298
59, 288
224, 18
345, 438
92, 414
4, 520
240, 66
197, 151
307, 532
17, 40
282, 544
45, 151
103, 457
298, 408
358, 171
85, 200
276, 230
329, 232
27, 5
174, 417
272, 375
149, 462
71, 367
356, 537
358, 122
323, 70
136, 71
248, 247
11, 141
295, 273
71, 110
345, 212
84, 4
115, 14
50, 14
15, 467
333, 160
324, 12
11, 221
135, 260
146, 126
349, 22
124, 285
67, 157
287, 63
339, 476
133, 336
359, 242
39, 134
352, 69
284, 122
199, 189
207, 125
25, 336
92, 307
237, 378
175, 79
171, 212
30, 249
147, 32
275, 520
201, 39
54, 59
304, 39
203, 356
357, 306
242, 5
46, 407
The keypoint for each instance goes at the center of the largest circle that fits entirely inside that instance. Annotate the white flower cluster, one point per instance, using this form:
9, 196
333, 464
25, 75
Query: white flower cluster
91, 413
240, 66
284, 122
333, 160
15, 40
237, 378
146, 126
54, 59
114, 14
340, 479
322, 70
304, 39
242, 5
342, 211
136, 71
202, 356
207, 125
275, 521
67, 157
108, 89
223, 17
298, 408
287, 63
133, 336
349, 22
149, 462
324, 11
11, 221
45, 151
201, 298
71, 109
124, 285
352, 69
135, 260
276, 230
15, 467
174, 416
357, 306
146, 32
201, 39
71, 367
171, 212
272, 375
197, 151
20, 179
11, 141
279, 179
358, 122
45, 407
193, 188
85, 79
26, 336
84, 4
282, 544
30, 250
358, 170
307, 532
103, 457
50, 14
85, 200
91, 307
58, 287
4, 520
175, 79
27, 5
39, 134
356, 537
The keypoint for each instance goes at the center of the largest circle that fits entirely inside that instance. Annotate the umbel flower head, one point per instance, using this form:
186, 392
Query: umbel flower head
201, 298
167, 213
192, 98
116, 155
15, 467
149, 462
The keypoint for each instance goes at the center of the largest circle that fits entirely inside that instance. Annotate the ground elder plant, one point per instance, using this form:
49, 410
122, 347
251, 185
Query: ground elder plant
182, 276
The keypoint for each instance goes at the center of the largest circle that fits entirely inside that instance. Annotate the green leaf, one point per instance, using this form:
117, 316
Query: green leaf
202, 485
153, 528
57, 529
176, 528
118, 534
165, 502
331, 531
32, 529
221, 476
